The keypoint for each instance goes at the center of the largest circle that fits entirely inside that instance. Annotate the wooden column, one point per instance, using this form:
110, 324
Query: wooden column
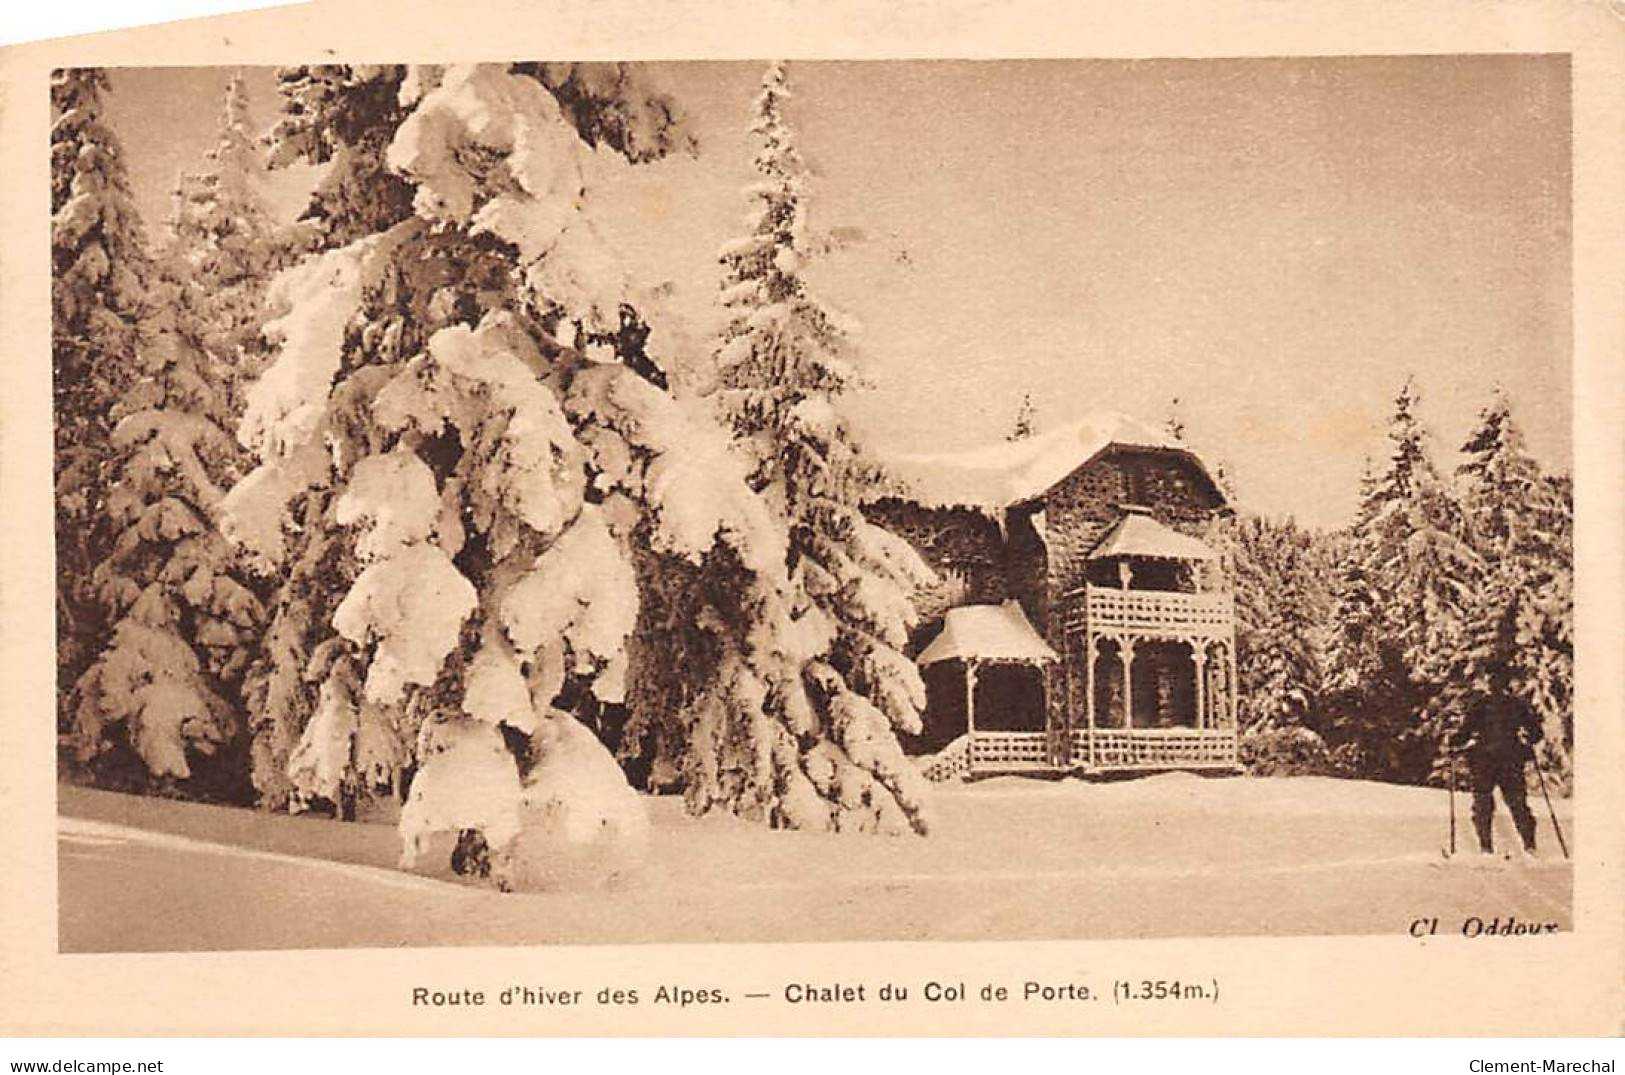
970, 696
1199, 663
1089, 689
1216, 699
1062, 752
1126, 648
1232, 689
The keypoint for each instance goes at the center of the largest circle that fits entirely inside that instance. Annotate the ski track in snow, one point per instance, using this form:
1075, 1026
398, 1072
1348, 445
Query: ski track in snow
74, 830
79, 832
1108, 873
1518, 873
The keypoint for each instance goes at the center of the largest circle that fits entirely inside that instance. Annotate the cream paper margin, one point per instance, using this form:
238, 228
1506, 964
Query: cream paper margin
1392, 986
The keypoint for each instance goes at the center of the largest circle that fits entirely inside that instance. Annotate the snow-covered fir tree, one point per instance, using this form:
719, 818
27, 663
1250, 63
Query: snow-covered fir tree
340, 117
385, 130
1400, 608
784, 364
461, 459
158, 706
1356, 600
99, 277
1520, 612
224, 246
1282, 604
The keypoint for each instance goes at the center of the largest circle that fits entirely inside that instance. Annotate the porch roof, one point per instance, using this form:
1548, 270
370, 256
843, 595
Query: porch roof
1139, 535
987, 633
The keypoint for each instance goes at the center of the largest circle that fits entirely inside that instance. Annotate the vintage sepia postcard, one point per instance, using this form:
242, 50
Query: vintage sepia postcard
706, 519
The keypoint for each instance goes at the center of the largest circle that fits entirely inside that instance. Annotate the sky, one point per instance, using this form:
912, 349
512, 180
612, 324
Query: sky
1277, 243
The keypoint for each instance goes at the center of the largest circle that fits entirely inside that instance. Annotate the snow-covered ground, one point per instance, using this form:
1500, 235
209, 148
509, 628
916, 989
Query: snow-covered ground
1163, 856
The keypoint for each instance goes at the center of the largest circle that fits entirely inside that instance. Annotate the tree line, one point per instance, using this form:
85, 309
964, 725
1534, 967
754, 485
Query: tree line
1359, 647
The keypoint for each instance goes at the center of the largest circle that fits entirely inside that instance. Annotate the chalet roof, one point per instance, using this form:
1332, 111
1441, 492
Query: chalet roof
994, 477
987, 633
1138, 534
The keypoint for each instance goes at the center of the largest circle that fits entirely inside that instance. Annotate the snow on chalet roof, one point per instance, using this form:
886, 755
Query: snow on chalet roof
1010, 472
1138, 534
987, 633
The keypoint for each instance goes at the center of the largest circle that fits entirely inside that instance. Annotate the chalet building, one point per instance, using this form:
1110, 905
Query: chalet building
1081, 624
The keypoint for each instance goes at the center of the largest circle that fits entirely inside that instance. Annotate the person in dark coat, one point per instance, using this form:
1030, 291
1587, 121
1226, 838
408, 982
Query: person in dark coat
1498, 734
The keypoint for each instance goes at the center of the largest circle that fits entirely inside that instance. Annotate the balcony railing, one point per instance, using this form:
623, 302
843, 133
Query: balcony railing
994, 752
1154, 748
1103, 750
1150, 613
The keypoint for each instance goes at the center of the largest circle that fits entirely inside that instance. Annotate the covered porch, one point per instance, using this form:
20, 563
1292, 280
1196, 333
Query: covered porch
986, 678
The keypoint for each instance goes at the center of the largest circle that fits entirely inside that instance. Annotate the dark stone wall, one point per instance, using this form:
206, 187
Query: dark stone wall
1083, 506
1077, 513
957, 541
1175, 490
1026, 565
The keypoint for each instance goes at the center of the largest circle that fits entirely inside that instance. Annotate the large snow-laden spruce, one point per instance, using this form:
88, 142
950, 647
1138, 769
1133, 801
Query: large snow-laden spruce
449, 418
1521, 611
1401, 605
183, 618
99, 270
282, 515
783, 365
224, 246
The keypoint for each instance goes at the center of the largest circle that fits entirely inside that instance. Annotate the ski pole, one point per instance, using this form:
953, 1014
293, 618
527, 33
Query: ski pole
1544, 794
1452, 763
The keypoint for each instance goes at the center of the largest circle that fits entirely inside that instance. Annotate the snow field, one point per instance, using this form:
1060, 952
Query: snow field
1009, 859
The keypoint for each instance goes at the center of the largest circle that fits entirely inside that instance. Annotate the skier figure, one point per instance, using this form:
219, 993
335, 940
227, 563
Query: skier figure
1498, 734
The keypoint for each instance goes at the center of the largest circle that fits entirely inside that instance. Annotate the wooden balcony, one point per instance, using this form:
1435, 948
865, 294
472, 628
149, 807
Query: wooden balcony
1101, 610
